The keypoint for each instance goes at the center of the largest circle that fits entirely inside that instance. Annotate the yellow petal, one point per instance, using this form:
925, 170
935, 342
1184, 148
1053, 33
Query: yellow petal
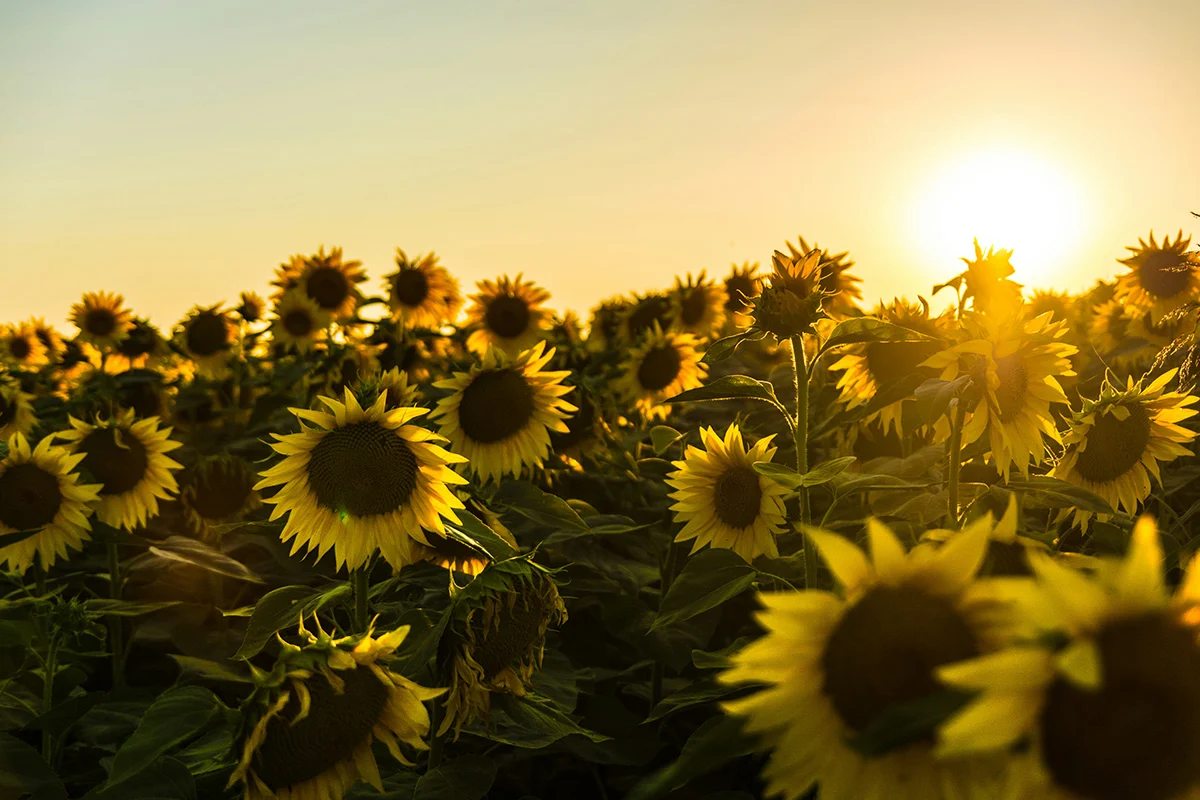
846, 561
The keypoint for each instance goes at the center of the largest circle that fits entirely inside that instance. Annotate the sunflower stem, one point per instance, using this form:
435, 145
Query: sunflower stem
50, 668
666, 577
955, 456
800, 430
361, 582
437, 741
115, 629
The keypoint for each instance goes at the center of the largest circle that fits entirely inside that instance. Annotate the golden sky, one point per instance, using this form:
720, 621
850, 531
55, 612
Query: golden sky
177, 152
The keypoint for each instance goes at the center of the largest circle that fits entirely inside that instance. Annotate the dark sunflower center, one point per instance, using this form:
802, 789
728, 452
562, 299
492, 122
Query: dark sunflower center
363, 469
328, 286
1163, 273
143, 397
118, 466
99, 322
1139, 734
1008, 559
298, 323
207, 334
139, 342
8, 410
1010, 394
739, 289
659, 368
221, 490
29, 497
496, 405
737, 497
507, 316
1114, 445
889, 362
411, 287
646, 313
505, 644
251, 312
20, 348
336, 726
884, 651
694, 304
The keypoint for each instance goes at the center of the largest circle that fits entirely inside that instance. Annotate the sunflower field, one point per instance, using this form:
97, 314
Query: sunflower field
741, 537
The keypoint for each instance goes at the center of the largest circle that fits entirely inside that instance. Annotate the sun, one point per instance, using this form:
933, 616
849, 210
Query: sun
1007, 197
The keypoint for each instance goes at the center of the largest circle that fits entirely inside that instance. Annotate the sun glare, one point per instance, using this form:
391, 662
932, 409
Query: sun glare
1004, 197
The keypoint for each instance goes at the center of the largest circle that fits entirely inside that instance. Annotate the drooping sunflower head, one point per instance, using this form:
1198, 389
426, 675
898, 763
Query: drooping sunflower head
722, 501
1162, 276
307, 729
1110, 709
836, 281
329, 280
299, 322
699, 305
48, 336
1117, 442
128, 458
501, 413
142, 348
219, 490
361, 480
792, 303
835, 666
21, 348
101, 318
741, 287
499, 632
659, 367
508, 314
423, 293
40, 490
207, 336
251, 307
646, 312
16, 409
987, 282
604, 323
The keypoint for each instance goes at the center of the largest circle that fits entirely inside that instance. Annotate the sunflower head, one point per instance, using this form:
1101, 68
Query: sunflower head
644, 314
21, 348
587, 430
836, 281
308, 727
604, 323
207, 336
299, 322
16, 409
394, 383
1162, 276
741, 287
659, 367
423, 293
219, 490
791, 304
101, 318
1059, 304
508, 314
699, 305
1109, 332
48, 336
251, 307
326, 278
142, 347
987, 282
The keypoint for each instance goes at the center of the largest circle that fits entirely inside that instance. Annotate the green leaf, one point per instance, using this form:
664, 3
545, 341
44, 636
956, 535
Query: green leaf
210, 670
715, 743
466, 778
719, 659
23, 773
722, 349
870, 482
164, 779
908, 722
869, 329
700, 692
475, 534
125, 608
176, 717
424, 645
281, 608
788, 478
710, 578
198, 554
530, 722
662, 437
934, 395
545, 509
731, 387
1056, 493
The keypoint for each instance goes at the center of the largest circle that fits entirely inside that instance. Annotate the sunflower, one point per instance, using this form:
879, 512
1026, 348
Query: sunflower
20, 347
362, 480
1008, 551
129, 460
835, 667
456, 556
1016, 364
353, 362
40, 491
645, 313
423, 293
1112, 712
1161, 277
394, 384
327, 279
48, 336
987, 282
867, 367
207, 336
586, 433
507, 313
1115, 443
699, 305
1108, 330
308, 728
604, 324
219, 490
16, 409
142, 347
741, 287
501, 413
722, 501
1057, 303
836, 280
252, 308
101, 318
498, 636
791, 304
661, 366
299, 322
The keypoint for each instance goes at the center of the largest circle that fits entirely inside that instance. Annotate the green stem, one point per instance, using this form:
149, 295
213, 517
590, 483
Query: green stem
955, 465
800, 368
361, 581
51, 668
436, 741
666, 577
115, 627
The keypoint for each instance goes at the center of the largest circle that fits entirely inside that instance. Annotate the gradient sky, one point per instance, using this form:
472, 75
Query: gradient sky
176, 152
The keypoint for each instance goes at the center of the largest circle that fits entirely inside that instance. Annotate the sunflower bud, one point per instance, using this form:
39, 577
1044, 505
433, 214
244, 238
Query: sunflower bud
791, 304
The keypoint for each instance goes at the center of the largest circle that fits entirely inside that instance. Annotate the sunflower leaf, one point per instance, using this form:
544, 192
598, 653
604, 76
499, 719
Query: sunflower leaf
476, 534
198, 554
282, 608
25, 774
869, 329
716, 742
211, 670
125, 608
732, 387
722, 349
699, 693
710, 578
934, 395
1056, 493
176, 717
466, 778
531, 502
662, 437
531, 721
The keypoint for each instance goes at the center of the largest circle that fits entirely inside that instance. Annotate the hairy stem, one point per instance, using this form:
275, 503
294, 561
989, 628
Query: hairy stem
800, 369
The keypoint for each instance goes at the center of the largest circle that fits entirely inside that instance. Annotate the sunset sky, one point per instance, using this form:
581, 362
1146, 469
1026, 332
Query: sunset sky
177, 152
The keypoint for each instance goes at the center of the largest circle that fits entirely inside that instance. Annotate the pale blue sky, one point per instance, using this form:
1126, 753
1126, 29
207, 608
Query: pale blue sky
176, 152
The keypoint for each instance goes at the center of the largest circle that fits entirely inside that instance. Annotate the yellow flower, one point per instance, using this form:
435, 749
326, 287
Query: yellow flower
48, 336
39, 490
20, 346
1109, 332
423, 293
987, 283
207, 336
723, 501
508, 314
299, 322
605, 323
661, 366
791, 304
836, 280
16, 409
219, 490
143, 347
1057, 303
699, 305
1161, 277
101, 318
741, 287
325, 278
252, 307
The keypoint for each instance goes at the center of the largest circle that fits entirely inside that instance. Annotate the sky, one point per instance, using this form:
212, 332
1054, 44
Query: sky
177, 152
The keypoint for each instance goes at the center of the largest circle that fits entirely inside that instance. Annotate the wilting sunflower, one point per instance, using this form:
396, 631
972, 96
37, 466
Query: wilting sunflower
252, 308
791, 304
16, 409
835, 666
48, 336
307, 729
508, 314
722, 501
299, 322
661, 366
501, 413
741, 287
423, 293
218, 491
1116, 442
872, 366
699, 305
20, 347
642, 316
207, 336
325, 278
142, 347
498, 635
1016, 364
39, 490
836, 280
361, 481
101, 318
1113, 712
129, 460
1161, 277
